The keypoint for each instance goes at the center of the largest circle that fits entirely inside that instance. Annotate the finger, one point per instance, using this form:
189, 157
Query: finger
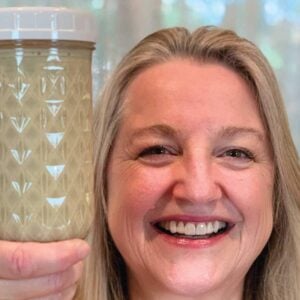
42, 287
67, 294
25, 260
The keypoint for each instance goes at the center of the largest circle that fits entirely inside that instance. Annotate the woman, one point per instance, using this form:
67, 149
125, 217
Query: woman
197, 182
273, 274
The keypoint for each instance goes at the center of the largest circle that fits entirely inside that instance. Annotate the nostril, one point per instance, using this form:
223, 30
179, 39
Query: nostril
197, 192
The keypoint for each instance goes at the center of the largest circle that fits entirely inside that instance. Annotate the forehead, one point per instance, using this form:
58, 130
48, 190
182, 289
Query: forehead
178, 69
186, 87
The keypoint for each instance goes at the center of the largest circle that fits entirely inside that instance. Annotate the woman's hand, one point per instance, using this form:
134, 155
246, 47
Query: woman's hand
40, 270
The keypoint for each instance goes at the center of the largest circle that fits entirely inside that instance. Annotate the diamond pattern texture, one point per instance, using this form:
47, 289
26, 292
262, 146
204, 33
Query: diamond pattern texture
46, 179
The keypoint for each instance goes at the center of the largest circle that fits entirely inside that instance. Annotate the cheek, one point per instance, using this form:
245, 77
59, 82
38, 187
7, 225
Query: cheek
260, 195
252, 193
132, 195
133, 192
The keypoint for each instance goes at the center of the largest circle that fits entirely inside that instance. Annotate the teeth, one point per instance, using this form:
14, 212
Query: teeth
201, 229
193, 228
216, 226
209, 228
180, 228
190, 229
173, 226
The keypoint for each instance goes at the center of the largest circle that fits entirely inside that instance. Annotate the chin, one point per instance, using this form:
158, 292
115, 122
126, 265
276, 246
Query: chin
191, 283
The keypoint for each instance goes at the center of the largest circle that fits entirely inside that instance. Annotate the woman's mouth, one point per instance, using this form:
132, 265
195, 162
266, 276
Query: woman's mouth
192, 230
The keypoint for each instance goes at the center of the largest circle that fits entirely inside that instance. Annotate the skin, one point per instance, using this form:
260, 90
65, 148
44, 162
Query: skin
191, 146
34, 271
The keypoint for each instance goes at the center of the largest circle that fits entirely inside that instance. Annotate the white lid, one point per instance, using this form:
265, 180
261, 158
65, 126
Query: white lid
46, 23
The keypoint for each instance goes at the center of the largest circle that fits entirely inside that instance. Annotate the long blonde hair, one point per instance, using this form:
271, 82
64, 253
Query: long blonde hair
274, 274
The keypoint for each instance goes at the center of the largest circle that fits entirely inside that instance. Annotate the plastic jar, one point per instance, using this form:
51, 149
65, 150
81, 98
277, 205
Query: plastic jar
46, 175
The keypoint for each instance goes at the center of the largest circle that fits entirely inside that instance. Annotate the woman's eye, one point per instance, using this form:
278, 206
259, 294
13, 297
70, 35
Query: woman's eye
239, 154
154, 150
157, 155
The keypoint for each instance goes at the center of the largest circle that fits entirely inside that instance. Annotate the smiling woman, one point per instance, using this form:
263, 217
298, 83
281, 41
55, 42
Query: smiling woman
197, 177
200, 169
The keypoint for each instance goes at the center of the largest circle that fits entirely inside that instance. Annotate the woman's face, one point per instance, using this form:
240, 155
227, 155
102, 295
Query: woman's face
190, 182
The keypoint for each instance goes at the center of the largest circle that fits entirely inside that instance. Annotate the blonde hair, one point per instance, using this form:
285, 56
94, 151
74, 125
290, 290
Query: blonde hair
274, 274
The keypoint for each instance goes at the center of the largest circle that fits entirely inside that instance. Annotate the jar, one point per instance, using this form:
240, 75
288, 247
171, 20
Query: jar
46, 173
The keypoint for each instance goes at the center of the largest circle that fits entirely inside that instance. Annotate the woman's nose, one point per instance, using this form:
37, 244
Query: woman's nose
196, 181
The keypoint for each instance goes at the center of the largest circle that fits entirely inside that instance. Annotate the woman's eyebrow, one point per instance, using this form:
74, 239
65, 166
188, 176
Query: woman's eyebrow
233, 131
160, 130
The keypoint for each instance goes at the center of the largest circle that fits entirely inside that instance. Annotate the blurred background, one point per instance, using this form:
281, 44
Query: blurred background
274, 25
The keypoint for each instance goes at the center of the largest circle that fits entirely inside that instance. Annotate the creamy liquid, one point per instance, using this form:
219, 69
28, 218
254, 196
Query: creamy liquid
46, 179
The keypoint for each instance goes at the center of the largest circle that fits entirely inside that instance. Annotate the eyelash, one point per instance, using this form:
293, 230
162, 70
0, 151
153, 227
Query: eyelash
156, 150
236, 153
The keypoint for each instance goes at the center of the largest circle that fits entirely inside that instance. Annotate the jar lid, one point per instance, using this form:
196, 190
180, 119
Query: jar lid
46, 23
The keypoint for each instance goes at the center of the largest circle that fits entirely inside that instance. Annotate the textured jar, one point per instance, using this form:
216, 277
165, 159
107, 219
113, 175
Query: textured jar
46, 180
